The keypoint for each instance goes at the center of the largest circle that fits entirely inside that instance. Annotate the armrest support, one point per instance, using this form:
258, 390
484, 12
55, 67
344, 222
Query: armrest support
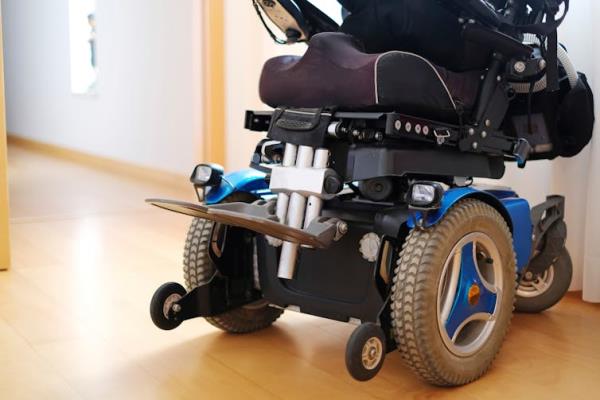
500, 42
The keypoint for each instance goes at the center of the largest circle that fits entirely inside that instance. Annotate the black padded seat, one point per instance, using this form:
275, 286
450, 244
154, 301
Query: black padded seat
335, 72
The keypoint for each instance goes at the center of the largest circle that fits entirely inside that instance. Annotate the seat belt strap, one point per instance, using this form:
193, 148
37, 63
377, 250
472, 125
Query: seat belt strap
552, 62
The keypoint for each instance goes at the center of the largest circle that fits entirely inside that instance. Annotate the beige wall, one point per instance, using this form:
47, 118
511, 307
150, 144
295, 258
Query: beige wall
247, 46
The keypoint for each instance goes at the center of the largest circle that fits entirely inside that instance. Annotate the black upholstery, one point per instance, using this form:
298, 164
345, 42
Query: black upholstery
336, 72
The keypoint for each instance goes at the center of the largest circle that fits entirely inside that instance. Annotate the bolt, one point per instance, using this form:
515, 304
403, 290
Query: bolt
471, 131
475, 145
356, 133
398, 125
176, 308
520, 67
528, 275
379, 136
499, 78
342, 228
484, 134
488, 123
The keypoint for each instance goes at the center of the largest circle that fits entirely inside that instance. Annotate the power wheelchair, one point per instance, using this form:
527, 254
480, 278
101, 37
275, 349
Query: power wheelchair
360, 204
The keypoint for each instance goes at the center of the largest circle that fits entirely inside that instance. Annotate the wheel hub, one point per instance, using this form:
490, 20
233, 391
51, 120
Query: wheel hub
372, 353
536, 285
474, 294
170, 302
469, 294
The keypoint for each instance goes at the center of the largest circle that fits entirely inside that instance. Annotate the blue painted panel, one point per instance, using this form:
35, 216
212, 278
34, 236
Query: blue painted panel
517, 208
520, 215
450, 198
462, 310
247, 180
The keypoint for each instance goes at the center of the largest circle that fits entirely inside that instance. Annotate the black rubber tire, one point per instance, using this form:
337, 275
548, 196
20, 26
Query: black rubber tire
198, 269
414, 295
563, 273
157, 305
354, 349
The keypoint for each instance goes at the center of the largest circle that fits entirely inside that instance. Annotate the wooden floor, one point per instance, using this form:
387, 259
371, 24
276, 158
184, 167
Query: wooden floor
88, 254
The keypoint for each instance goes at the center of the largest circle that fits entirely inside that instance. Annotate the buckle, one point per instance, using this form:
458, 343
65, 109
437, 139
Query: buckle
521, 151
441, 135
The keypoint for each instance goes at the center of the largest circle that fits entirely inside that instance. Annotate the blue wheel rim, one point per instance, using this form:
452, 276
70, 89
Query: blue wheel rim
469, 294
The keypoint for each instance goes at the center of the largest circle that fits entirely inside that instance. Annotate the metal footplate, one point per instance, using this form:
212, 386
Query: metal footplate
258, 217
302, 183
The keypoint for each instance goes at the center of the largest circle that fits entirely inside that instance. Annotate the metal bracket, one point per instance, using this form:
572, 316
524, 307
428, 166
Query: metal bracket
219, 295
548, 219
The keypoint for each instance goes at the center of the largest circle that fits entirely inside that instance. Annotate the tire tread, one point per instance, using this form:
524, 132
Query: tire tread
412, 286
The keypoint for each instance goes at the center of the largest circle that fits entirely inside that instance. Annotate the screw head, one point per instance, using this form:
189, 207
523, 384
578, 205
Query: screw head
520, 67
528, 275
342, 227
475, 145
398, 125
471, 131
484, 134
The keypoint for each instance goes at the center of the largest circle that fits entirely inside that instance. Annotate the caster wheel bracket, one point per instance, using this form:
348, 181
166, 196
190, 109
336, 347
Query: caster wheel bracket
219, 295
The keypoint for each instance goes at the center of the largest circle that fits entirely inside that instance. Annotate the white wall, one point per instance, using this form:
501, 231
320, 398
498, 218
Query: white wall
147, 110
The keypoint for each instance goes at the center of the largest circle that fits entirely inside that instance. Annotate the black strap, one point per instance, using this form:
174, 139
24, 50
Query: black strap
552, 64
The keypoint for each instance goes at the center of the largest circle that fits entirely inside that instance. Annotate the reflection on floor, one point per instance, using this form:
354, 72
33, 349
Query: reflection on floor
88, 254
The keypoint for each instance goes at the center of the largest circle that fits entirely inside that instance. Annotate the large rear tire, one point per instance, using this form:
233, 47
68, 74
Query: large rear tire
453, 294
198, 269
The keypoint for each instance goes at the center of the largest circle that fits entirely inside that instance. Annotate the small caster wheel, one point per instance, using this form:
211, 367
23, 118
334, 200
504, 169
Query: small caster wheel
162, 304
365, 352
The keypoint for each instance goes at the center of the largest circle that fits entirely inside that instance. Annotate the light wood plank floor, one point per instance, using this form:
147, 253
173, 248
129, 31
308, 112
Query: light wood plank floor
88, 254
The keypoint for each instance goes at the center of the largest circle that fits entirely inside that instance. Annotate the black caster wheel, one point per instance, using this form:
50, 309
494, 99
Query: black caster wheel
365, 352
161, 305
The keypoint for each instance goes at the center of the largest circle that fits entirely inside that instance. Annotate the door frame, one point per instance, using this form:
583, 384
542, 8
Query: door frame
213, 82
4, 206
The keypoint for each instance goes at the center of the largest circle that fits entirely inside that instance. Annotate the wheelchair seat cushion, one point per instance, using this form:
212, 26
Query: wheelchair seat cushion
335, 72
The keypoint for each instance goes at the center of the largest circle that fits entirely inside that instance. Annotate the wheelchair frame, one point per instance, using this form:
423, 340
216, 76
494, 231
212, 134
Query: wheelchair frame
317, 270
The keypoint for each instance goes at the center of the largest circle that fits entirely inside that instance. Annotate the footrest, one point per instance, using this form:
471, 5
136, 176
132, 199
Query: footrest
258, 217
